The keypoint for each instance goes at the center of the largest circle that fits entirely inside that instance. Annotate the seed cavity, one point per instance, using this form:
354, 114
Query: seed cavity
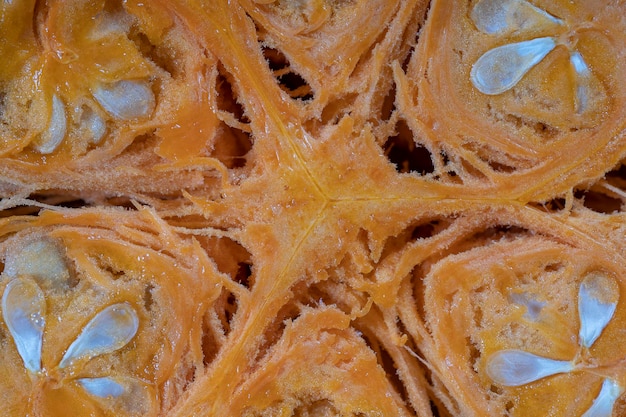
597, 300
532, 305
598, 295
41, 259
23, 310
516, 367
498, 17
126, 99
501, 68
110, 330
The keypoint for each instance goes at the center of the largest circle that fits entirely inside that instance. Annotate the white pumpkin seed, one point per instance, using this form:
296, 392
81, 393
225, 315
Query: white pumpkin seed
104, 387
517, 367
501, 68
110, 330
126, 99
603, 404
597, 299
583, 81
24, 310
51, 138
120, 395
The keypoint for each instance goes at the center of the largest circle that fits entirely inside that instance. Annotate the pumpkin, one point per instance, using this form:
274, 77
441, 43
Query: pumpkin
312, 208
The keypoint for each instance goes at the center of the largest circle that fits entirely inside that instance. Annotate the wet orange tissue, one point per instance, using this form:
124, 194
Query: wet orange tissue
312, 208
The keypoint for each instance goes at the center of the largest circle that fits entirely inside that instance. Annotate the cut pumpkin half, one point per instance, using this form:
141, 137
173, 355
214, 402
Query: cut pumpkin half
312, 208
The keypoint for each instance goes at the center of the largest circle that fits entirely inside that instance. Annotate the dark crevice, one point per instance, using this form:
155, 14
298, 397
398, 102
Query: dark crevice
500, 167
496, 233
227, 99
471, 170
418, 289
407, 59
417, 30
228, 305
496, 160
78, 203
288, 79
148, 299
244, 274
449, 171
316, 408
3, 105
555, 205
488, 236
406, 154
58, 199
554, 267
114, 272
385, 360
295, 85
599, 202
231, 258
389, 104
364, 62
617, 173
209, 344
20, 211
122, 202
539, 128
336, 109
160, 56
274, 331
542, 129
424, 231
434, 409
232, 144
276, 60
143, 142
474, 352
420, 229
317, 294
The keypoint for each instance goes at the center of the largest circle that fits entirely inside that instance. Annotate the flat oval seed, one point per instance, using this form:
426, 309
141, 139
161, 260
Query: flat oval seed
497, 17
126, 99
23, 310
51, 138
597, 299
603, 404
579, 64
583, 81
501, 68
108, 331
121, 395
516, 367
102, 387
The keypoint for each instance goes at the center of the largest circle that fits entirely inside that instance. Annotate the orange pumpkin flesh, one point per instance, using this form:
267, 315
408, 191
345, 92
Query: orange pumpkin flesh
272, 208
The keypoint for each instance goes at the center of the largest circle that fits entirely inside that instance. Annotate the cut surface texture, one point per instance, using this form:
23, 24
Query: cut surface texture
313, 208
